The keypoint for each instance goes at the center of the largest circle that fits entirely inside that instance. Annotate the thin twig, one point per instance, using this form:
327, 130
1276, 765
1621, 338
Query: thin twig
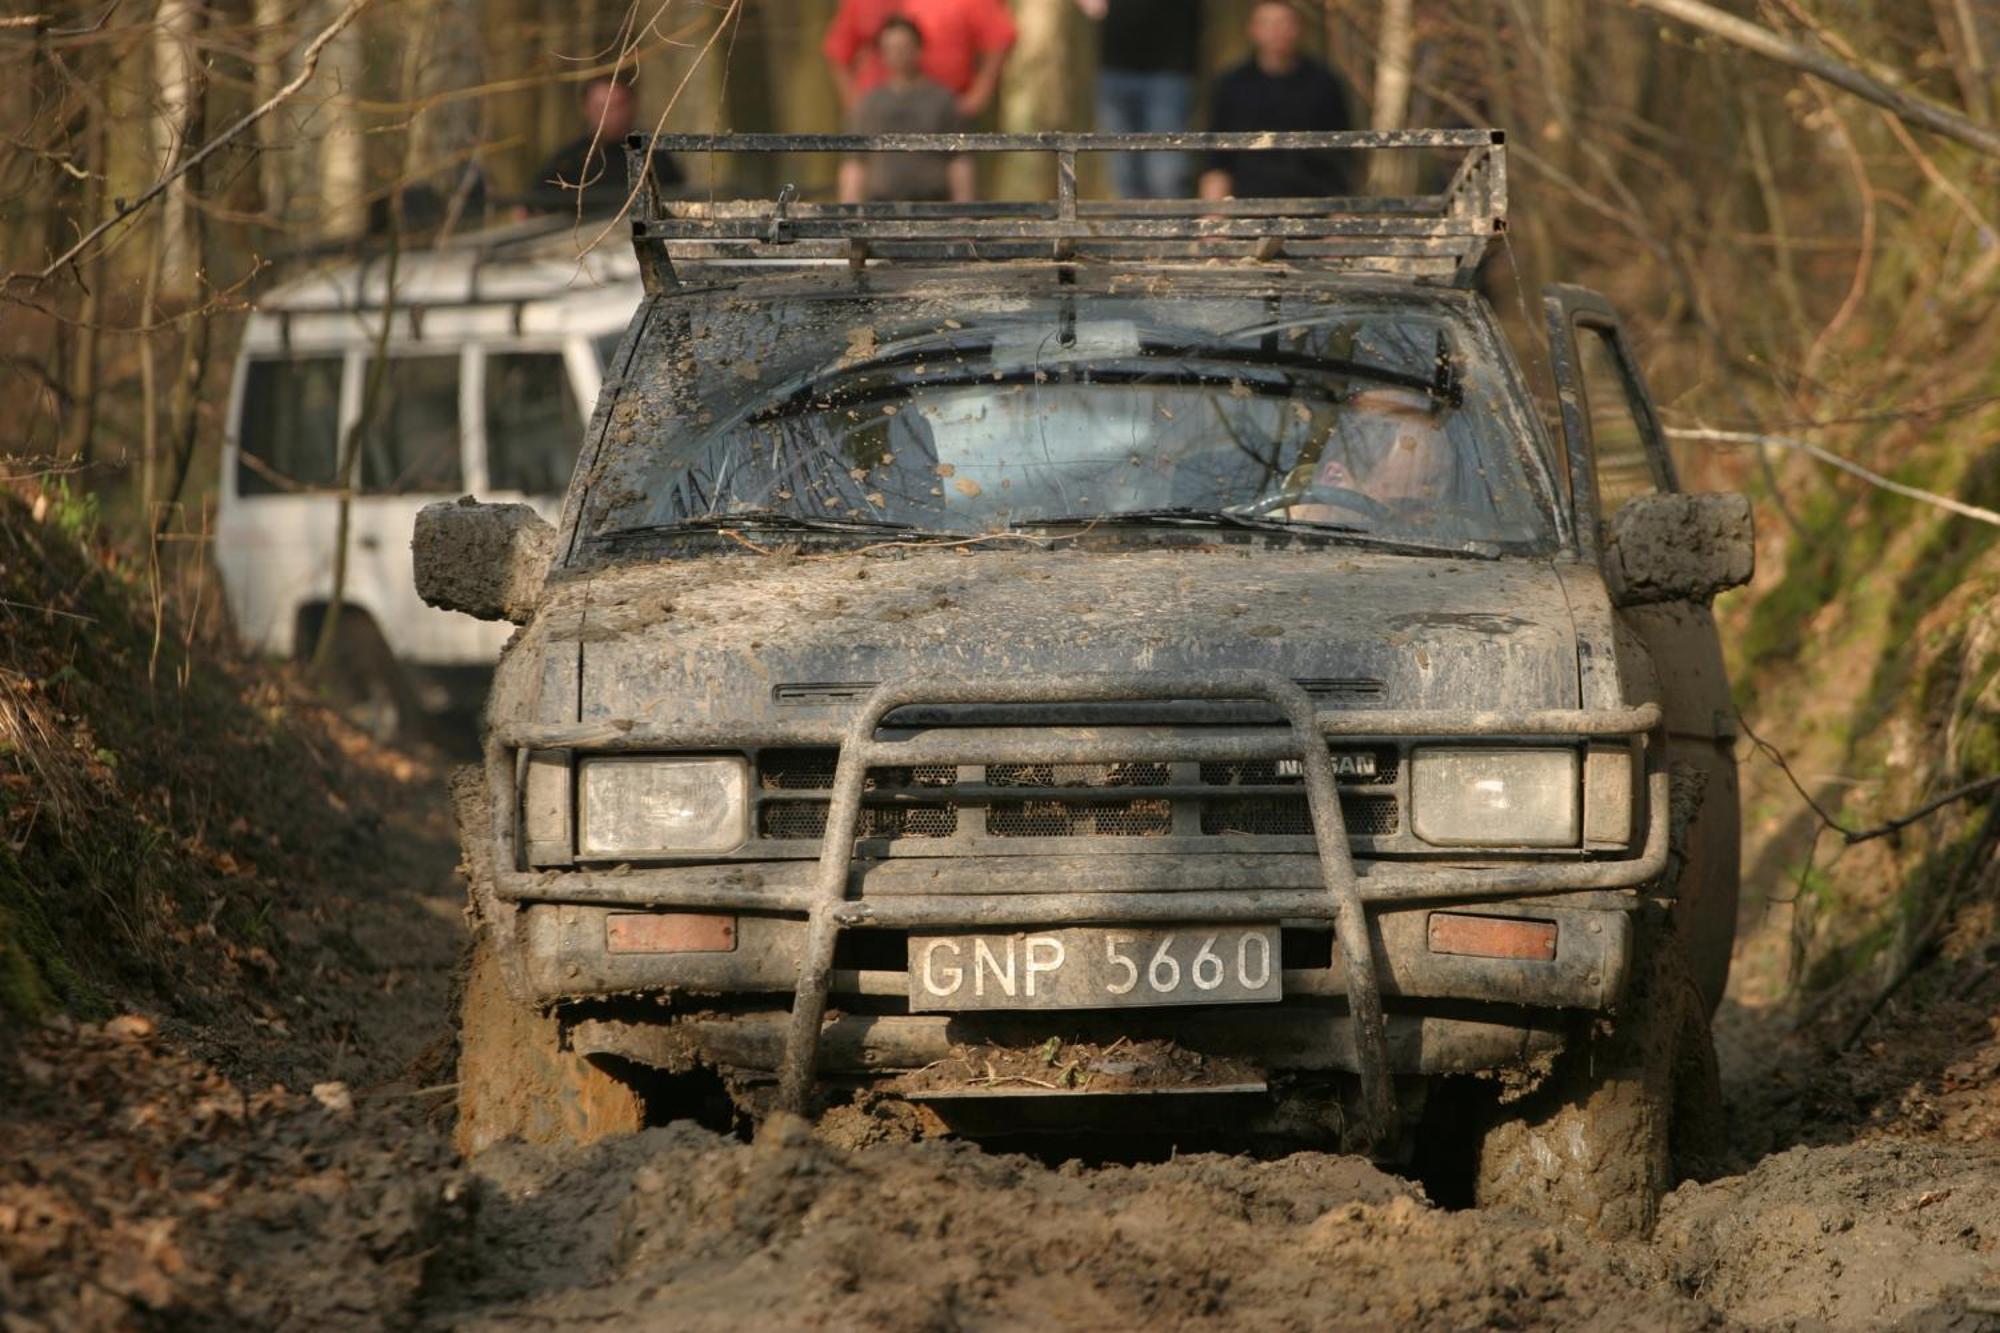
1977, 787
1937, 803
1847, 465
1014, 1078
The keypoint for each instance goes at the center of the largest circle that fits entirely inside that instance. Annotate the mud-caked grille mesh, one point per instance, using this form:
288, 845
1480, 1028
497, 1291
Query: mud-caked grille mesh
1078, 775
1080, 819
812, 770
807, 819
925, 807
1290, 816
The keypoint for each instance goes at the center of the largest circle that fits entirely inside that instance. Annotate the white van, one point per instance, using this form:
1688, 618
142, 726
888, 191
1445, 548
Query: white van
497, 345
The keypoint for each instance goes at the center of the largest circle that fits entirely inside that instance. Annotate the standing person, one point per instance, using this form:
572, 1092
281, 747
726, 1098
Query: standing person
1148, 51
1279, 88
905, 102
965, 44
592, 165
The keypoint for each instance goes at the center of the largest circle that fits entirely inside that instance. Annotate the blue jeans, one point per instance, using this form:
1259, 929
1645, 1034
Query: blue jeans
1130, 102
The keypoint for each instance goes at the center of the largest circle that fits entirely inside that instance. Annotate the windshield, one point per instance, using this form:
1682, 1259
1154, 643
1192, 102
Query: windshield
1027, 410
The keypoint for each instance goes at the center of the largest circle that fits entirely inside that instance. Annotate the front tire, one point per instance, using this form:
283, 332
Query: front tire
517, 1081
1598, 1143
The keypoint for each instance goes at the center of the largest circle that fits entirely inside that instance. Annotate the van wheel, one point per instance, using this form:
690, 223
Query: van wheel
1598, 1143
362, 680
515, 1079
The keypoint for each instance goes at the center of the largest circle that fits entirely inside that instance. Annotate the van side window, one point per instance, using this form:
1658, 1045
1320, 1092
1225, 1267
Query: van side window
412, 439
532, 424
288, 437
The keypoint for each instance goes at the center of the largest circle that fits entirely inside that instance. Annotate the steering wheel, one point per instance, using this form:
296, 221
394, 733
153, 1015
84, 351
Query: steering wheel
1338, 497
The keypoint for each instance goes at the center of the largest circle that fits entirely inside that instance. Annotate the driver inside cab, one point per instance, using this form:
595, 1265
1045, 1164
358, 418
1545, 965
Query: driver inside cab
1386, 455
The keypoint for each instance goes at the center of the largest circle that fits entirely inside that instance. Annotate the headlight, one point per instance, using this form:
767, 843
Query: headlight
1494, 798
639, 805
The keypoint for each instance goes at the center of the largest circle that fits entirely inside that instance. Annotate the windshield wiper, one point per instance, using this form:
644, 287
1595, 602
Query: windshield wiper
763, 520
1182, 515
1191, 516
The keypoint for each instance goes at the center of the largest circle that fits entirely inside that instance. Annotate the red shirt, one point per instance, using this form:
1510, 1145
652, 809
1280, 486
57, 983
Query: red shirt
956, 34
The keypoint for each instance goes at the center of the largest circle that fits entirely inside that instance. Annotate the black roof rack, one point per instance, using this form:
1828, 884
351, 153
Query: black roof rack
1439, 236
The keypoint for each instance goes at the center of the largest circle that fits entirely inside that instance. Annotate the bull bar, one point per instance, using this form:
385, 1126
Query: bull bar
824, 894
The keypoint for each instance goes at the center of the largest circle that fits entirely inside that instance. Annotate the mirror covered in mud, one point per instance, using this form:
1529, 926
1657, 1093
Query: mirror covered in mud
1679, 548
487, 560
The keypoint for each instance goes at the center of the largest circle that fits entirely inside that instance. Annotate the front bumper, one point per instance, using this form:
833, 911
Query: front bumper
1370, 907
567, 958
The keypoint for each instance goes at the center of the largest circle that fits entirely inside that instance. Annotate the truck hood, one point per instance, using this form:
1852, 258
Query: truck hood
733, 637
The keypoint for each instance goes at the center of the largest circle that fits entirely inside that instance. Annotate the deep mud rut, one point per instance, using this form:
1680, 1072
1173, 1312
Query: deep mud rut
296, 1171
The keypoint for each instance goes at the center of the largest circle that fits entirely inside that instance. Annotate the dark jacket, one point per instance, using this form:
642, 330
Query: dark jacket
600, 171
1310, 97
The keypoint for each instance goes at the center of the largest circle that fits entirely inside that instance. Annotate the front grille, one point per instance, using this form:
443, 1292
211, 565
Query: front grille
1290, 817
1078, 775
1080, 819
807, 819
1225, 799
812, 770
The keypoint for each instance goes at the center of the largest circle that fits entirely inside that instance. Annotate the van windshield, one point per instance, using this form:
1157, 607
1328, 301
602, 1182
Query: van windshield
1025, 411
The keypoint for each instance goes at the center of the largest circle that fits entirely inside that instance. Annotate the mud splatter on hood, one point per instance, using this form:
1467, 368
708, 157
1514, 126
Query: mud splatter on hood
713, 640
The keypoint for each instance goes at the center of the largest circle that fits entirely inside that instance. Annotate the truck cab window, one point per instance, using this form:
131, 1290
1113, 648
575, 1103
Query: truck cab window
532, 423
411, 443
1624, 465
288, 437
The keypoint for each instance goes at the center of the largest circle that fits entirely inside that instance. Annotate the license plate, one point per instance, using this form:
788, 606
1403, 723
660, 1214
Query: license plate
1095, 967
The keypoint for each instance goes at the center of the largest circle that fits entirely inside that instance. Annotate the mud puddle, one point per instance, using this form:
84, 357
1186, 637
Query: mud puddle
177, 1198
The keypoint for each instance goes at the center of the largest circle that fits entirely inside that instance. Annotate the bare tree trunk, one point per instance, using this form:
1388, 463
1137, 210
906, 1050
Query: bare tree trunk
1561, 21
1393, 173
349, 465
176, 72
1034, 93
277, 174
149, 379
343, 158
82, 420
806, 100
184, 403
689, 86
447, 135
350, 445
1960, 29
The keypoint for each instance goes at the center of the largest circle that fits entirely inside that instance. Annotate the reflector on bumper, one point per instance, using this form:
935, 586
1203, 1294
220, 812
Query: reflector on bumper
1492, 936
668, 932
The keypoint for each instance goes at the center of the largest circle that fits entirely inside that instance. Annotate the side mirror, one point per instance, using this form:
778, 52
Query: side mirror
487, 560
1679, 548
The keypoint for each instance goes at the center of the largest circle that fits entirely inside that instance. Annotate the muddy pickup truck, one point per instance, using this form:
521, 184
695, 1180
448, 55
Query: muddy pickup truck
1022, 665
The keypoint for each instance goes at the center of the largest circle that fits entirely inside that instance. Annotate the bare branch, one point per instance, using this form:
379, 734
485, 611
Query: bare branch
1846, 465
308, 65
1761, 40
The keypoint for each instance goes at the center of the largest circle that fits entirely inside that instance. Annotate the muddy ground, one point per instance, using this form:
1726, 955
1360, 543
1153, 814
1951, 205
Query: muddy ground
293, 1169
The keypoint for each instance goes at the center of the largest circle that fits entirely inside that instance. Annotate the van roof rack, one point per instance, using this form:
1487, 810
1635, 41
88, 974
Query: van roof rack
1436, 236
